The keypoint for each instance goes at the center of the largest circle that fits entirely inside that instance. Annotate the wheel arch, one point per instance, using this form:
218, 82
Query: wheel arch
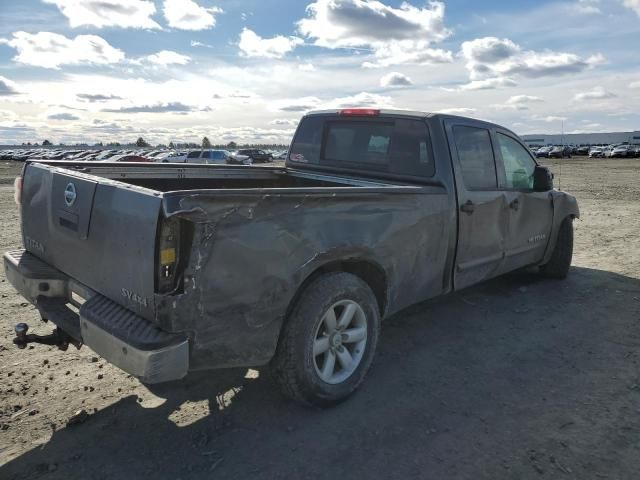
367, 270
564, 206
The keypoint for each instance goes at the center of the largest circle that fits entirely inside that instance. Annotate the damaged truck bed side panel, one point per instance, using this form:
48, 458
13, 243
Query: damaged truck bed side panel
251, 253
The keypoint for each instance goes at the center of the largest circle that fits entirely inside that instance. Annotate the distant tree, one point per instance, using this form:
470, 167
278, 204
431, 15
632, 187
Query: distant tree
141, 142
232, 145
171, 145
206, 143
46, 143
99, 144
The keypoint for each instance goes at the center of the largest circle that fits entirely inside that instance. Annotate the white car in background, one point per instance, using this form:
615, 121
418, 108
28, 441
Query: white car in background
622, 151
171, 157
596, 152
219, 157
608, 151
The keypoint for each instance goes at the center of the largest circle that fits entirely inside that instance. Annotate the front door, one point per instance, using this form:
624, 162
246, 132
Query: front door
530, 213
482, 217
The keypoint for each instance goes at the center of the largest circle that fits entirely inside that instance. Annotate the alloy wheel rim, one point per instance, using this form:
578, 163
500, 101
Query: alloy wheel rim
339, 341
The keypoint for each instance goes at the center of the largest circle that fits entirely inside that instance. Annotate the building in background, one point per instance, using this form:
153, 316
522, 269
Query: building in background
608, 138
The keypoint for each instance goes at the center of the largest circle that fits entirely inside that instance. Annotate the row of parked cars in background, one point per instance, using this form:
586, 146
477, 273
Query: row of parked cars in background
619, 151
602, 151
206, 155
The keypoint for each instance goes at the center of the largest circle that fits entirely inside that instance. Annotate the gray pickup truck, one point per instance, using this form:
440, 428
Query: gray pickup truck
164, 269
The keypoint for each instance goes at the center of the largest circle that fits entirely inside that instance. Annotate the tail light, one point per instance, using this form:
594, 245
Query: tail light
359, 112
17, 190
167, 256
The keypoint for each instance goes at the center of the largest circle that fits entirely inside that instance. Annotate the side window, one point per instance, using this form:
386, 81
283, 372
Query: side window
518, 164
194, 154
307, 142
476, 157
206, 154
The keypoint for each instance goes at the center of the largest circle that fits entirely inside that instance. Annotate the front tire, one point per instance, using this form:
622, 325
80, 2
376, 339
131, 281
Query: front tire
560, 261
328, 342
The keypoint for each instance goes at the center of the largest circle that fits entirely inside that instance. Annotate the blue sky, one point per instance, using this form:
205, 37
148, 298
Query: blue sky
177, 70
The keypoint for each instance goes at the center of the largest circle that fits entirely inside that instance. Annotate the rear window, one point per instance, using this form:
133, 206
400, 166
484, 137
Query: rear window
389, 145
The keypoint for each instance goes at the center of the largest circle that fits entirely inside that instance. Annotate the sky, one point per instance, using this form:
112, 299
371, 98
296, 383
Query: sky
246, 71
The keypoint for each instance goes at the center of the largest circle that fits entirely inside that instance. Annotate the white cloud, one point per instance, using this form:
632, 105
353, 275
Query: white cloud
195, 43
108, 13
598, 93
457, 111
518, 102
633, 5
551, 119
408, 51
306, 67
170, 107
97, 97
588, 6
519, 99
362, 99
188, 15
393, 35
489, 83
495, 58
167, 57
358, 23
62, 116
50, 50
7, 87
7, 116
635, 84
252, 45
395, 79
304, 104
284, 121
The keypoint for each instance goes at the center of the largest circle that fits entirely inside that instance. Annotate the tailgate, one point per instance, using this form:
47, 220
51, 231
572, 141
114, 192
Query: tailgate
98, 232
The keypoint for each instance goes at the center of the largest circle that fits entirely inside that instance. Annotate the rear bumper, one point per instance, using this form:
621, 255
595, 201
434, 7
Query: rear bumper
115, 333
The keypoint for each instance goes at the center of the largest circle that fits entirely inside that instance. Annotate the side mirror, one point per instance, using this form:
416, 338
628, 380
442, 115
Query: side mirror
542, 179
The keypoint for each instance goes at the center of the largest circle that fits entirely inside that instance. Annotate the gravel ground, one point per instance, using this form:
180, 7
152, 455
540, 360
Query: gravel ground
517, 378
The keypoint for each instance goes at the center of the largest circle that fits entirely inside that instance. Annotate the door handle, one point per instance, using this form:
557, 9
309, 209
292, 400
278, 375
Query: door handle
468, 207
515, 205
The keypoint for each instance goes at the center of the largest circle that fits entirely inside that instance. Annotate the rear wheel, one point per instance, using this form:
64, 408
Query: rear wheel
560, 261
328, 341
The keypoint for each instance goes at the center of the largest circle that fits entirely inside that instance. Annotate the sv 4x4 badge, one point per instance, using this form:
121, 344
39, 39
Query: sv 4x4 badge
134, 297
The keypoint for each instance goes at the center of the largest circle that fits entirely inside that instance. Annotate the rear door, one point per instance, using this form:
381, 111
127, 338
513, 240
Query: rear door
482, 219
530, 213
100, 233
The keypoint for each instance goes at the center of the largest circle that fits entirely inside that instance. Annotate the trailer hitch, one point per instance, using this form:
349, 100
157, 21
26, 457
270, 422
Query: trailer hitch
58, 338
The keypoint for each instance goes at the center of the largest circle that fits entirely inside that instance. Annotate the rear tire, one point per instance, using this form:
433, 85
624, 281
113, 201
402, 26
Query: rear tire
328, 341
560, 261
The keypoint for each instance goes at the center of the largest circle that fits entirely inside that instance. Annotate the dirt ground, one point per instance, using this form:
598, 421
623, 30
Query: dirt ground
518, 378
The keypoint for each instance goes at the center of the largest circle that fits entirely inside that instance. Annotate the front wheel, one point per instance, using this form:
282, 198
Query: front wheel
328, 342
560, 261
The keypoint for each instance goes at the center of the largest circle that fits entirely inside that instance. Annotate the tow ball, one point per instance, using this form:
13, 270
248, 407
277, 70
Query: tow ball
58, 338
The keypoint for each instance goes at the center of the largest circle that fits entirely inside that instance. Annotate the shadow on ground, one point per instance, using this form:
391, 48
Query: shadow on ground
517, 378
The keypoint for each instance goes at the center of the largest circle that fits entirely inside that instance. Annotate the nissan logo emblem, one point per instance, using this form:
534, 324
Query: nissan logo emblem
70, 194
